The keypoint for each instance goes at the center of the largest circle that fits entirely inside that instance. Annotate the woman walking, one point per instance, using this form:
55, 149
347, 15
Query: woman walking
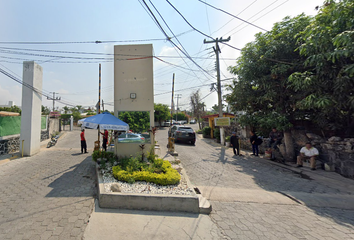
253, 140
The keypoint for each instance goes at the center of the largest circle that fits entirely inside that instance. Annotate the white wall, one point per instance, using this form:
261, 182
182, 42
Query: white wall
133, 73
31, 108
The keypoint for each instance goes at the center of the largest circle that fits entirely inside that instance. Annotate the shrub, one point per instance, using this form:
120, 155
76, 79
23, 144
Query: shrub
217, 133
199, 131
206, 131
102, 154
227, 139
169, 176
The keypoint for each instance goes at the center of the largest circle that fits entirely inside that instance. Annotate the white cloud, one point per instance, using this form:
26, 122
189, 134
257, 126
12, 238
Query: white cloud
13, 93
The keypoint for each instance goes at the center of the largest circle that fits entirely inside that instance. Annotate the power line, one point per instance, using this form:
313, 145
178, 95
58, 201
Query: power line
219, 9
87, 42
236, 15
197, 29
252, 17
169, 39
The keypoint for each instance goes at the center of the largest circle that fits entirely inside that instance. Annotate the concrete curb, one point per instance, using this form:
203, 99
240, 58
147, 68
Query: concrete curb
150, 202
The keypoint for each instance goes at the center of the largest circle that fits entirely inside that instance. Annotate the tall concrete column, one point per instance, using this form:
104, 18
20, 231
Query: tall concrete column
31, 108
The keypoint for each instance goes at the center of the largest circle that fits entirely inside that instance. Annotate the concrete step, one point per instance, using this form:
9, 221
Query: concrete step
223, 194
341, 201
204, 205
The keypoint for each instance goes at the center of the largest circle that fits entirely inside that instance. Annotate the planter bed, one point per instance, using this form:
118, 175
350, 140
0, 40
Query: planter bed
148, 196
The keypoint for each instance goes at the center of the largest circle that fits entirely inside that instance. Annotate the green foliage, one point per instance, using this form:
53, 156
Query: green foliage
162, 113
168, 176
45, 110
327, 84
11, 109
262, 89
227, 138
65, 116
77, 116
180, 116
206, 131
138, 121
66, 109
91, 113
102, 154
217, 133
155, 170
199, 131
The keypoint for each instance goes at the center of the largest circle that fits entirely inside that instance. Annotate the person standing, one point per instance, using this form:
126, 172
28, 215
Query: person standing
275, 138
105, 139
308, 152
83, 141
253, 140
235, 144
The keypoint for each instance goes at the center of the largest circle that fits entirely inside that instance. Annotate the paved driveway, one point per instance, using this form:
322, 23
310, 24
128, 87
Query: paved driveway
49, 195
250, 196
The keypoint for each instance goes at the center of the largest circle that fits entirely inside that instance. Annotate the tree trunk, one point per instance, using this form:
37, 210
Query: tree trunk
289, 146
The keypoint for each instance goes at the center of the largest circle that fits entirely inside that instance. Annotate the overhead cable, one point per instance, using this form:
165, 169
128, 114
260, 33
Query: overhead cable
219, 9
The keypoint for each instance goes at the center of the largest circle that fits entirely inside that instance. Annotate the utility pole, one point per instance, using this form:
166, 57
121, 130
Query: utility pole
99, 99
217, 51
172, 102
54, 99
178, 96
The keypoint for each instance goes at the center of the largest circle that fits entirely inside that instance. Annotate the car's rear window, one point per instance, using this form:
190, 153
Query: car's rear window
187, 129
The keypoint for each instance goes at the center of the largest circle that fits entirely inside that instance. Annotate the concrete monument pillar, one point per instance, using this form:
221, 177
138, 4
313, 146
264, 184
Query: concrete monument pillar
31, 108
71, 123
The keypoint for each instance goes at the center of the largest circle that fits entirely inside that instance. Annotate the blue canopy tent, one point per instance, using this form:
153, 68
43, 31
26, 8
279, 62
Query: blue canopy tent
104, 120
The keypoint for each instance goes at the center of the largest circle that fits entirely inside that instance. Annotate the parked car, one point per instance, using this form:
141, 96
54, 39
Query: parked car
176, 123
183, 134
193, 121
166, 124
183, 122
131, 138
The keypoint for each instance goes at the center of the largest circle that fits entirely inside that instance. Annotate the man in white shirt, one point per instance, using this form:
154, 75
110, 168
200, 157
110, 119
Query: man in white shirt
308, 152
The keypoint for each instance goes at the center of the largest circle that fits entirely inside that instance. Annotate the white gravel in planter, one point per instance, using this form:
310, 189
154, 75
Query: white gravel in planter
144, 187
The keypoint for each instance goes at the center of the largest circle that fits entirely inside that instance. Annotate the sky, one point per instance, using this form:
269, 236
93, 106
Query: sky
60, 36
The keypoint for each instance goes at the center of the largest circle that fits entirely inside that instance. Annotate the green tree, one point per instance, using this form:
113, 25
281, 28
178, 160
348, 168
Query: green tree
79, 108
197, 106
162, 113
261, 89
215, 108
45, 110
138, 121
66, 109
180, 116
11, 109
327, 84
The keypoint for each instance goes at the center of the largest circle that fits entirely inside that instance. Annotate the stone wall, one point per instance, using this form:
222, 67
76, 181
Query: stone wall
338, 155
10, 144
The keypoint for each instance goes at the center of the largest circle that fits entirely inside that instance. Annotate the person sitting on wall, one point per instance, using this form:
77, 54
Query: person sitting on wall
275, 138
308, 152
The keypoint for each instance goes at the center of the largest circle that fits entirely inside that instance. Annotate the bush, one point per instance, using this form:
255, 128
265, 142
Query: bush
199, 131
217, 133
102, 154
169, 176
206, 131
227, 139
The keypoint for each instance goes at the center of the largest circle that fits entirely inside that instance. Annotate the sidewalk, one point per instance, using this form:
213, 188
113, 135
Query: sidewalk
4, 158
330, 179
